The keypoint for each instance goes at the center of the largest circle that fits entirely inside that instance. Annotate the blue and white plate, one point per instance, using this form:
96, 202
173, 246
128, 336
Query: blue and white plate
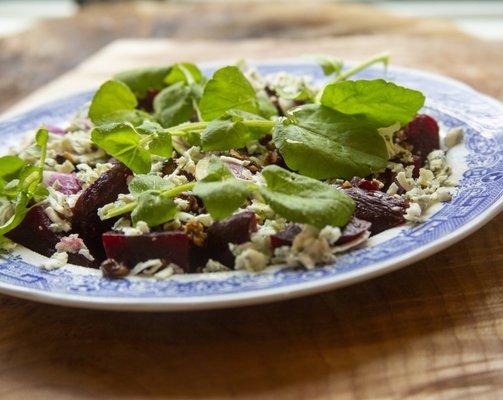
478, 162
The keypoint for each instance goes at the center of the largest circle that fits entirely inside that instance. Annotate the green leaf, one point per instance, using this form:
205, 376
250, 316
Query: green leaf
329, 64
382, 102
184, 72
224, 135
266, 107
161, 144
143, 183
154, 209
174, 105
228, 89
115, 102
10, 166
230, 132
221, 193
305, 200
124, 143
142, 79
322, 143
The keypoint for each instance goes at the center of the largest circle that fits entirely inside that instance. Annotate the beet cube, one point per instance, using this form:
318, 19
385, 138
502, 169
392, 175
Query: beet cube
422, 134
286, 236
171, 247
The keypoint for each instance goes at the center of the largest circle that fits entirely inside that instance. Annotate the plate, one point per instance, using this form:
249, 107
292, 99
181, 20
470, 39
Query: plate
479, 197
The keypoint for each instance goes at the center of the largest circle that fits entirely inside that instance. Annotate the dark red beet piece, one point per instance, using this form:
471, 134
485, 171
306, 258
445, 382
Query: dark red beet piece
34, 233
286, 236
147, 103
171, 247
235, 229
422, 134
380, 209
364, 184
85, 220
353, 230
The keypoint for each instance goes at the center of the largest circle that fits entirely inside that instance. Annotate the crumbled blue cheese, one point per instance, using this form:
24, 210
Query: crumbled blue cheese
88, 175
331, 234
453, 137
214, 266
413, 213
57, 260
189, 158
308, 249
141, 228
251, 260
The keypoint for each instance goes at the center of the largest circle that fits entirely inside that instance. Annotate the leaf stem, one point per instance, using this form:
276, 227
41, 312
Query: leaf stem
382, 57
129, 207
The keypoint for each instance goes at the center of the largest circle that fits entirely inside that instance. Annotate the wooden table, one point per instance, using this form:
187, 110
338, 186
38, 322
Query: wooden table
431, 330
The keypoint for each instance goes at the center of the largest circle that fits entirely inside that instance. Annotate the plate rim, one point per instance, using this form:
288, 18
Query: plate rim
294, 290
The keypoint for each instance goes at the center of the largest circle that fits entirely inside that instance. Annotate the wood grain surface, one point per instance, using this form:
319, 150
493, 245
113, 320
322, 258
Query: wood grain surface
433, 330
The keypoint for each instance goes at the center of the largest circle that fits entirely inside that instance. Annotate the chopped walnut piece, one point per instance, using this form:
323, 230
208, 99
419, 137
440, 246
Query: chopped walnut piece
169, 167
346, 185
195, 231
195, 204
113, 269
236, 154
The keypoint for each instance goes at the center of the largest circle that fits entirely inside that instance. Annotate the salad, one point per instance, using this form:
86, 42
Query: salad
169, 171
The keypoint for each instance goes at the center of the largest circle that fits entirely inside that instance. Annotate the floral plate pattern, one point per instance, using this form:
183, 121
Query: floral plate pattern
479, 197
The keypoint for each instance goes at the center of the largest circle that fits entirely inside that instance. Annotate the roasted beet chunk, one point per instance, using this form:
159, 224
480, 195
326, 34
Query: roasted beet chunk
422, 134
353, 230
170, 247
380, 209
364, 184
85, 213
34, 233
235, 229
286, 236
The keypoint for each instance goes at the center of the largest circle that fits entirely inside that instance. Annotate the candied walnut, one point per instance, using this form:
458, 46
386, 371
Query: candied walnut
195, 203
347, 185
169, 167
253, 168
265, 140
236, 154
113, 269
195, 232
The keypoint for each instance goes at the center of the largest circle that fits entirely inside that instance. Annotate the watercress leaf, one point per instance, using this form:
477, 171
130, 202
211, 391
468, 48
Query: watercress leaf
379, 101
329, 64
143, 183
174, 105
10, 166
322, 143
41, 137
266, 107
222, 198
154, 209
161, 144
123, 142
142, 79
227, 89
257, 125
184, 72
224, 135
20, 211
221, 193
302, 199
114, 101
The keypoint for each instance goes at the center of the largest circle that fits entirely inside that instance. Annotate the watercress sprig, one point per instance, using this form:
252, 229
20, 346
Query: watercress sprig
25, 182
293, 196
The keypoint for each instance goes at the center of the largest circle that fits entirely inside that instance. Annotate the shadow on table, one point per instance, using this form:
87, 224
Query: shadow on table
422, 320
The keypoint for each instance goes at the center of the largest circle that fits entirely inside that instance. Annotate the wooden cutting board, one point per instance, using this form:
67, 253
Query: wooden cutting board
431, 330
